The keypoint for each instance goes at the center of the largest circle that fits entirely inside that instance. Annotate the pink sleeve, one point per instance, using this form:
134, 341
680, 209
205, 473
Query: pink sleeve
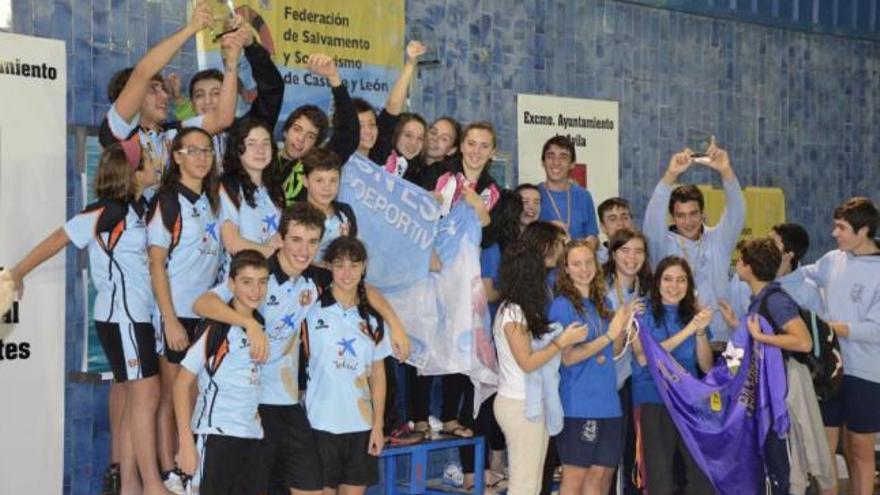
492, 199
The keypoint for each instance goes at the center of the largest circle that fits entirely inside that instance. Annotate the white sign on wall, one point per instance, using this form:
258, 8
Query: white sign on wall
593, 126
33, 82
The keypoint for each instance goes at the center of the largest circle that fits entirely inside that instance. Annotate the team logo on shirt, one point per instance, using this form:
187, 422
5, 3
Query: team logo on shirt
270, 223
195, 212
321, 324
272, 301
344, 347
208, 247
855, 294
305, 297
211, 230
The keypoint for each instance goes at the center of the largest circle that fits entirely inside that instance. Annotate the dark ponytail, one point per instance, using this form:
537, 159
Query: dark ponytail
364, 310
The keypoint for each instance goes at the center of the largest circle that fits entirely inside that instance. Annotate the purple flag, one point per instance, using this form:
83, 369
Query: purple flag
724, 418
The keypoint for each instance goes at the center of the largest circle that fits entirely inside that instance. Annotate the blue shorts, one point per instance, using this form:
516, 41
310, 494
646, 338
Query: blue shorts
855, 405
590, 442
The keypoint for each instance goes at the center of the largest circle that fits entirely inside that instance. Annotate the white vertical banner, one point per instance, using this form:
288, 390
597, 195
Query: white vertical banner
33, 119
593, 127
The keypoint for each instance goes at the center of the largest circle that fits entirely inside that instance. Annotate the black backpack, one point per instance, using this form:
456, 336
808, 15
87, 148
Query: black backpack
825, 361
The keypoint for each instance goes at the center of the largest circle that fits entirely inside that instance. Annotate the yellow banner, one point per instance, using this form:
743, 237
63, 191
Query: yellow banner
364, 37
356, 32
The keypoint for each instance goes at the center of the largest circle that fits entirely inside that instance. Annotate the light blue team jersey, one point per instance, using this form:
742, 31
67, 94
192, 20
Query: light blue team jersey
581, 219
116, 236
588, 389
229, 384
288, 302
255, 223
182, 222
341, 357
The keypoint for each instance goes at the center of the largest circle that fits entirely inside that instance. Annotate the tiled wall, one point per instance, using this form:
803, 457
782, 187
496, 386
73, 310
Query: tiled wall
796, 110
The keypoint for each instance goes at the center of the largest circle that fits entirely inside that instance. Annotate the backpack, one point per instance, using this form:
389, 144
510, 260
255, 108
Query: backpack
825, 361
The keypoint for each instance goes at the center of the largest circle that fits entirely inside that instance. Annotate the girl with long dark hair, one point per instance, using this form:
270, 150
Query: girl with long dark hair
520, 321
674, 319
628, 275
250, 194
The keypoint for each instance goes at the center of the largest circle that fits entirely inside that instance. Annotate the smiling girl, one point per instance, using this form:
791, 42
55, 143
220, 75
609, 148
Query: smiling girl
250, 196
345, 399
470, 179
589, 446
184, 249
675, 320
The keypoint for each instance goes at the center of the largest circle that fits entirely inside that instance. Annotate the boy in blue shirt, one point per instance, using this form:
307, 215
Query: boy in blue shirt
850, 276
706, 249
562, 202
615, 214
225, 420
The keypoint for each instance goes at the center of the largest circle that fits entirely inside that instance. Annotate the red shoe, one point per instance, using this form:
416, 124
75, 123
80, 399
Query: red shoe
404, 435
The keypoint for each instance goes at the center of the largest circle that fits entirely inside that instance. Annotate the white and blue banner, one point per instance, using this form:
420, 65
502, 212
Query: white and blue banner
445, 313
397, 220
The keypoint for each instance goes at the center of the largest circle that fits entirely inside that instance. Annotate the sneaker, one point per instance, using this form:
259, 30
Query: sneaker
112, 481
453, 475
404, 435
174, 483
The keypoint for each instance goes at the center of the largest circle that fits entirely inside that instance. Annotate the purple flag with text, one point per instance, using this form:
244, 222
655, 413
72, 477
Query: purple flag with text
725, 417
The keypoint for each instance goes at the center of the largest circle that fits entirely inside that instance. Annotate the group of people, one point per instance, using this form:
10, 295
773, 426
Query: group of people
250, 357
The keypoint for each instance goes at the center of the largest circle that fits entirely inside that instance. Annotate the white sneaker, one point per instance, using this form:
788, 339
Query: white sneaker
453, 475
174, 484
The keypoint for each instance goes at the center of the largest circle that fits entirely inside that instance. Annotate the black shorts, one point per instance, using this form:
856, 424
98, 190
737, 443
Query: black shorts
590, 442
344, 459
229, 465
290, 454
130, 349
855, 405
191, 325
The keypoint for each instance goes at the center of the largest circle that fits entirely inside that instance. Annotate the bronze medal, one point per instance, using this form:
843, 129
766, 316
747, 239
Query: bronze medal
600, 359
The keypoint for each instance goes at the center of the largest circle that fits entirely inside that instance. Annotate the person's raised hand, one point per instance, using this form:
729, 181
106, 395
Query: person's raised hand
414, 50
202, 16
323, 65
679, 163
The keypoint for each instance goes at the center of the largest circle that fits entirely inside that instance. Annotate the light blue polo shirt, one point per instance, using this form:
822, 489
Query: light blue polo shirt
341, 358
184, 219
288, 302
229, 384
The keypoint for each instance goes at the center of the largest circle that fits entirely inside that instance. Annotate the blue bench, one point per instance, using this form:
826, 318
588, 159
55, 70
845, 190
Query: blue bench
419, 465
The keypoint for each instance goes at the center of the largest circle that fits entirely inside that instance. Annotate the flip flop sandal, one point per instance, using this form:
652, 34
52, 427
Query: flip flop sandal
459, 431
